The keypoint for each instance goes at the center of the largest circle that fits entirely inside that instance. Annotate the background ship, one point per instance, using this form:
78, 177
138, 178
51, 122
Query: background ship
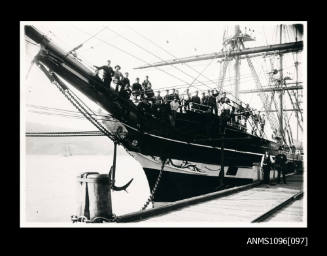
192, 150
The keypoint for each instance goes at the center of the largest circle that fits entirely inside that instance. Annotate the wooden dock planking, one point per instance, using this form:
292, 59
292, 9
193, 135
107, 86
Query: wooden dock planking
292, 213
243, 206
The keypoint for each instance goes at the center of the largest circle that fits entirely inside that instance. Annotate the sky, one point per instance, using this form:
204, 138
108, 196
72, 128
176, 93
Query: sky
134, 44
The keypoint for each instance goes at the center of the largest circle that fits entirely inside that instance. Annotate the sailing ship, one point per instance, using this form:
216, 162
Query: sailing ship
189, 158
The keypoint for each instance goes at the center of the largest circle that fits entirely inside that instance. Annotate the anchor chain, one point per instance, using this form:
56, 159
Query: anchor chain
84, 219
150, 199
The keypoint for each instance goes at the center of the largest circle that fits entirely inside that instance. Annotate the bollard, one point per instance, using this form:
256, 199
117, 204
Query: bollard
95, 195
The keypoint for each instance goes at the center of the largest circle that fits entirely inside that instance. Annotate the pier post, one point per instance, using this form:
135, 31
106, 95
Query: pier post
95, 196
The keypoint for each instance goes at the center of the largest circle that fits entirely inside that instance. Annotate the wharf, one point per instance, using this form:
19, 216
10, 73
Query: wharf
244, 204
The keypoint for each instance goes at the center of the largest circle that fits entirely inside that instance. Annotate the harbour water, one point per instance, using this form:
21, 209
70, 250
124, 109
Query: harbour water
51, 185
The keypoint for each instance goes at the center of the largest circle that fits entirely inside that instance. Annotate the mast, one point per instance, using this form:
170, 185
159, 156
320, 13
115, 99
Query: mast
237, 61
281, 85
297, 81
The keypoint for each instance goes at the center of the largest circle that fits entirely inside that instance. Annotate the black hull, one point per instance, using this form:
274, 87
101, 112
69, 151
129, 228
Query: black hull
243, 155
177, 186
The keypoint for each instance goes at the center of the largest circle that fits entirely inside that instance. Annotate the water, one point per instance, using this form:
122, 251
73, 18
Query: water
51, 185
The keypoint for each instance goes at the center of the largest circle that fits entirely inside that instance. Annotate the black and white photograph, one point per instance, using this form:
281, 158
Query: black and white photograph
163, 124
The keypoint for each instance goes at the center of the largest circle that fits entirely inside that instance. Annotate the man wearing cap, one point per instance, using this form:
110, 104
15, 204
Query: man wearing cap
212, 102
204, 99
280, 164
158, 99
146, 83
108, 73
187, 100
149, 92
174, 106
137, 87
117, 73
125, 81
196, 98
167, 96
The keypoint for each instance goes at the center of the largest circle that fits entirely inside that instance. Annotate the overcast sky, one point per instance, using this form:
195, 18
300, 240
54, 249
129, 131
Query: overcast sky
134, 44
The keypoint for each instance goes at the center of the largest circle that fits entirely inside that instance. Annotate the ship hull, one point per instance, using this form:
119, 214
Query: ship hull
184, 179
178, 186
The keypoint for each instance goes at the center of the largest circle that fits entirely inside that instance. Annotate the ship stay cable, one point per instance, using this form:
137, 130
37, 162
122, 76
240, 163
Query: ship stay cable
88, 39
165, 50
182, 71
131, 55
77, 103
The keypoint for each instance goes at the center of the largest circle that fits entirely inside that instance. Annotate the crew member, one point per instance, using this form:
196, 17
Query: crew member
146, 83
125, 81
212, 102
172, 94
262, 124
144, 106
158, 99
167, 97
215, 93
118, 75
174, 106
157, 103
126, 92
108, 73
203, 99
149, 92
224, 98
117, 84
280, 164
186, 100
137, 87
196, 98
266, 167
255, 117
177, 96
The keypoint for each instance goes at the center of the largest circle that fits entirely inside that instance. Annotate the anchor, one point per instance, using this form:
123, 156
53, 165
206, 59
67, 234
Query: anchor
112, 174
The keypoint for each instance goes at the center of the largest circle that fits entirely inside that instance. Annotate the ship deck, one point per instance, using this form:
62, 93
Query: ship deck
242, 205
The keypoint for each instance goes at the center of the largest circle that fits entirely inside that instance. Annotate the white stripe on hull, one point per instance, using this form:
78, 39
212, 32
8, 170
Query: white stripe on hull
112, 126
202, 168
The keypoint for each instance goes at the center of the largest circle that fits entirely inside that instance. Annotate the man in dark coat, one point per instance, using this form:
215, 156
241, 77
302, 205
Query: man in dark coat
108, 73
196, 98
144, 106
204, 99
280, 164
212, 102
167, 97
119, 76
158, 99
125, 81
137, 87
266, 167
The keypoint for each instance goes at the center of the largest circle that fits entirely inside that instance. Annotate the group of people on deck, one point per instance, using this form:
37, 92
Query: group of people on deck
211, 101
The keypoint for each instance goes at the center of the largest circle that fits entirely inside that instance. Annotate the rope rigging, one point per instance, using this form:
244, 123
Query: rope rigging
77, 103
146, 50
157, 45
135, 57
